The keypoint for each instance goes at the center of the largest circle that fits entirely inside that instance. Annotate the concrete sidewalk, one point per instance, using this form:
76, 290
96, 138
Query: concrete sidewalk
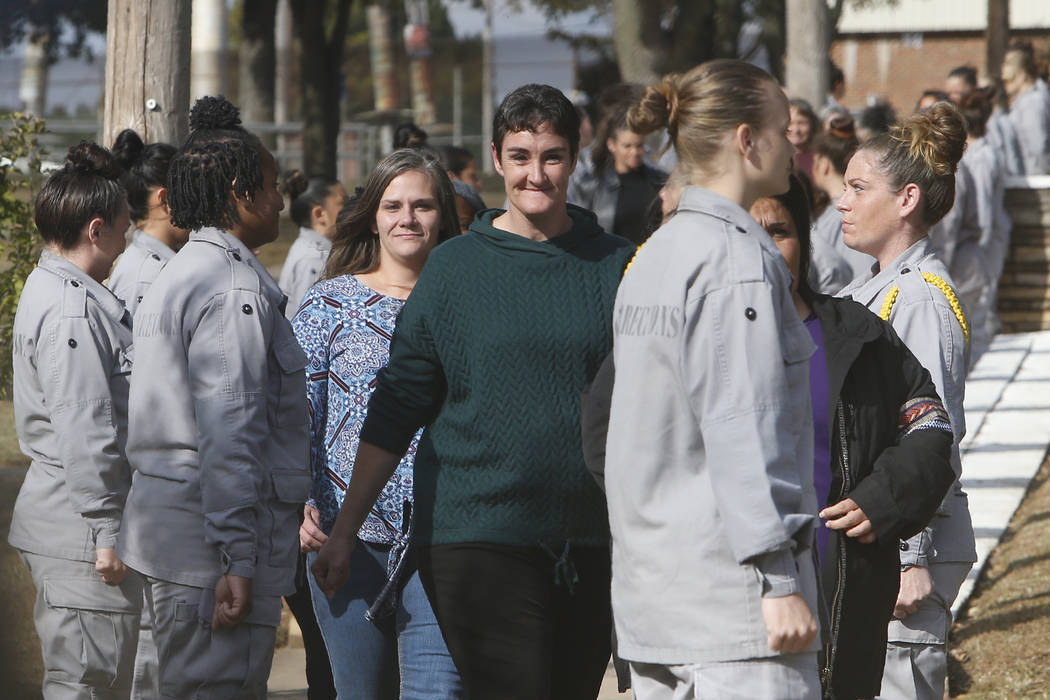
1008, 430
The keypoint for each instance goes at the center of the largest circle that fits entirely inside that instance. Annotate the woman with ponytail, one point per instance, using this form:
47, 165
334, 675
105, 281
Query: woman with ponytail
314, 204
218, 436
709, 462
898, 185
72, 364
155, 240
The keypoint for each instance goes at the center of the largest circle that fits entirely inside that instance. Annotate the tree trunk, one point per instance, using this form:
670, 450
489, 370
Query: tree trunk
154, 34
208, 44
32, 89
284, 72
487, 92
807, 58
381, 52
258, 63
998, 36
635, 34
320, 68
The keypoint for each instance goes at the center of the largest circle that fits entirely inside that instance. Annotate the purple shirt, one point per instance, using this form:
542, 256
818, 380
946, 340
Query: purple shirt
818, 389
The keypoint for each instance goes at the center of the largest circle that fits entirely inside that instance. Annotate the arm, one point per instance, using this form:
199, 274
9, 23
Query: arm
75, 368
595, 404
312, 326
228, 362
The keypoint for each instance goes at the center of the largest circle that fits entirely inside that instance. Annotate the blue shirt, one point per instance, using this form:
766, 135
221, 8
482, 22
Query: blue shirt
345, 329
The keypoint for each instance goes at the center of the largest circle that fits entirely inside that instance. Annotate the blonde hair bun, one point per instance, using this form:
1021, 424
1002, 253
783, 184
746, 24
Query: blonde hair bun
937, 135
657, 109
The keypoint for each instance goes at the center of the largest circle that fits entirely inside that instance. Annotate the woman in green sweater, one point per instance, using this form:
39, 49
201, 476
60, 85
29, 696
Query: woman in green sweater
505, 327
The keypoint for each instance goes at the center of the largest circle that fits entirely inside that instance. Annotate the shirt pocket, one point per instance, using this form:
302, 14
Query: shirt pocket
796, 344
291, 407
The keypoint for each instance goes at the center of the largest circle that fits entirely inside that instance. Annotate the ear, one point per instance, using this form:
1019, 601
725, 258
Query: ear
94, 230
162, 199
910, 198
610, 142
495, 159
319, 214
743, 139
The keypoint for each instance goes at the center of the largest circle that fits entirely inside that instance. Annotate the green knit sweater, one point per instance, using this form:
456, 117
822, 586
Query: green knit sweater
491, 352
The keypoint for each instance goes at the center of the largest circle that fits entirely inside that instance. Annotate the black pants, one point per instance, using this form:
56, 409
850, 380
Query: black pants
513, 631
318, 669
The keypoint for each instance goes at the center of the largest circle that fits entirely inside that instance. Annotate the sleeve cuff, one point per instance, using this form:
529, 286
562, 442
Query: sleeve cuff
915, 551
779, 573
104, 530
243, 566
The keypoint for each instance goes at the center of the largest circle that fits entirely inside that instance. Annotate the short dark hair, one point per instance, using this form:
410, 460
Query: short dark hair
967, 73
407, 135
86, 186
218, 158
455, 159
835, 76
877, 118
145, 167
305, 193
1026, 54
531, 106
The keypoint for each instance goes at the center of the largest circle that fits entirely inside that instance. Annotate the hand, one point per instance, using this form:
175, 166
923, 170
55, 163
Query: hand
847, 515
790, 625
331, 568
233, 601
109, 566
311, 536
916, 586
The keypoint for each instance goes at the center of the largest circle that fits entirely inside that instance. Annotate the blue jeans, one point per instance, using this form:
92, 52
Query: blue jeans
400, 656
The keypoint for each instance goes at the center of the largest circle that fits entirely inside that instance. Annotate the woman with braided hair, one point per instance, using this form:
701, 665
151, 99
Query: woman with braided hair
218, 436
898, 185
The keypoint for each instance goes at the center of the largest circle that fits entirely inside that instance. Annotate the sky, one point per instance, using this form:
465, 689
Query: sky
530, 21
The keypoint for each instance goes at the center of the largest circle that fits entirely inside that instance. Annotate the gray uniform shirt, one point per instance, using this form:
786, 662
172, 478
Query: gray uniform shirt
1000, 133
828, 227
709, 460
303, 267
72, 362
136, 269
218, 436
925, 321
989, 173
1030, 114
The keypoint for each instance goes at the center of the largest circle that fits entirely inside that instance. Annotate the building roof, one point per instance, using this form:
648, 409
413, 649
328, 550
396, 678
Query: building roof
923, 16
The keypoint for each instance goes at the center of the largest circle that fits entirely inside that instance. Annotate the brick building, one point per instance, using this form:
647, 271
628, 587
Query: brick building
896, 50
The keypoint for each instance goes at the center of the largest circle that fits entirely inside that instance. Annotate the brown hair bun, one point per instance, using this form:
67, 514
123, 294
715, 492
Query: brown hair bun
937, 135
657, 109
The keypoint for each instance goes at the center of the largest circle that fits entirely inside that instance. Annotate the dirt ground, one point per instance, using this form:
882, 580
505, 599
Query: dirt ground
1001, 641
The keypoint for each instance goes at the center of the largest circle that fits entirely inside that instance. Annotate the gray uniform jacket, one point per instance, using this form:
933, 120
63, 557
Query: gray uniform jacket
1030, 114
218, 437
599, 190
72, 364
828, 270
303, 267
136, 269
923, 318
1000, 133
828, 227
709, 459
988, 172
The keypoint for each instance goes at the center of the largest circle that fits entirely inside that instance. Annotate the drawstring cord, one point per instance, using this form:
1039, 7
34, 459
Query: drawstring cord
564, 570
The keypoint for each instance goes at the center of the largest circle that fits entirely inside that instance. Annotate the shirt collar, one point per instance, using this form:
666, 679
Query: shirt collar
236, 249
715, 205
871, 286
153, 245
107, 301
314, 239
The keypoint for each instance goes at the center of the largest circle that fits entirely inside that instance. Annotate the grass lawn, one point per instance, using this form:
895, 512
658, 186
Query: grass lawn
1001, 642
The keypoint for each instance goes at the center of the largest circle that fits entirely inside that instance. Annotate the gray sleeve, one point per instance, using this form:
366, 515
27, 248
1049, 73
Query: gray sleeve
734, 372
779, 573
229, 375
1030, 121
75, 366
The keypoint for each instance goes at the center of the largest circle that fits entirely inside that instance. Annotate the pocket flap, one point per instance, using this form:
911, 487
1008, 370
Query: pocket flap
291, 485
89, 594
290, 356
797, 344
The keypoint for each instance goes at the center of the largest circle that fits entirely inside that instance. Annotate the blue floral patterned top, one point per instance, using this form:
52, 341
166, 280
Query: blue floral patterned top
345, 329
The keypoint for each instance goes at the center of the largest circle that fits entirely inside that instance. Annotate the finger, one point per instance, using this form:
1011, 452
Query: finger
843, 506
850, 519
861, 529
774, 642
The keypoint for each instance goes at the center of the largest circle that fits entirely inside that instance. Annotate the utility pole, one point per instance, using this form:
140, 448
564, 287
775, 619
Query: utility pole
486, 90
807, 51
208, 60
32, 89
998, 36
284, 70
147, 69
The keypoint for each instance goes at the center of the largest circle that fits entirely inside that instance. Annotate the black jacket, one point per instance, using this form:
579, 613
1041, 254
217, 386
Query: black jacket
890, 449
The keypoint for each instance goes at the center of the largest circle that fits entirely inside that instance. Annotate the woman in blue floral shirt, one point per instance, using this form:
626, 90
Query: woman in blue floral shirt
381, 634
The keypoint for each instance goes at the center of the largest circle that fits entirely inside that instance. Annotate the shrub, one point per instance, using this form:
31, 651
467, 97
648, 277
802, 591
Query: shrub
19, 243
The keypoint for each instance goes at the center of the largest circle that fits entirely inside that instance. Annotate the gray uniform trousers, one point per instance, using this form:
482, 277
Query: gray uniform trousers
199, 663
787, 677
88, 629
917, 654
